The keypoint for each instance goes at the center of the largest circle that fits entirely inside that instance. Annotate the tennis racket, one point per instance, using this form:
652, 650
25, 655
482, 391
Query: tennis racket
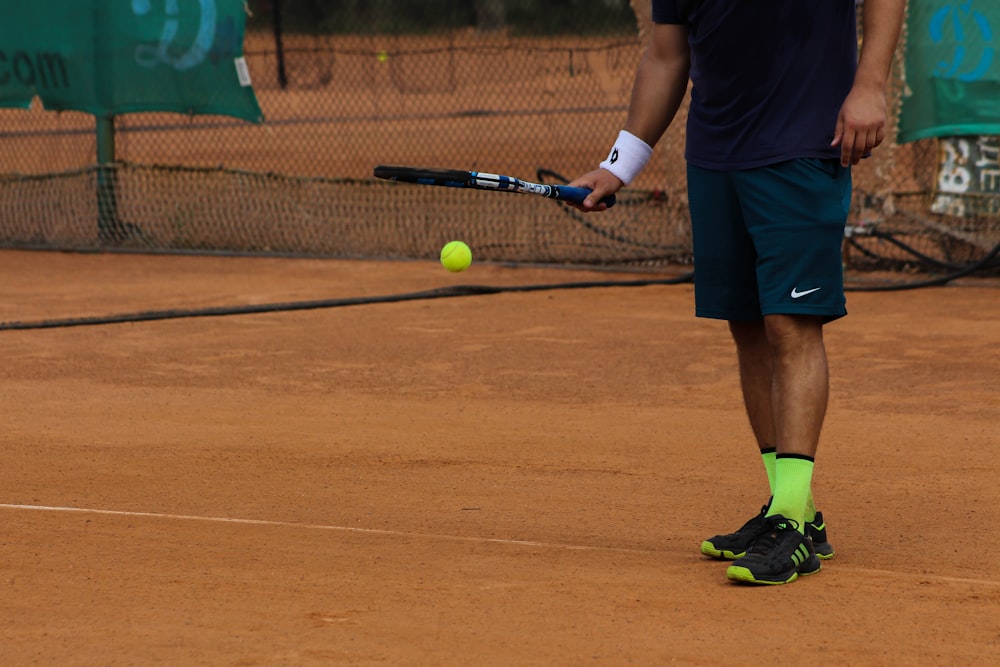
477, 180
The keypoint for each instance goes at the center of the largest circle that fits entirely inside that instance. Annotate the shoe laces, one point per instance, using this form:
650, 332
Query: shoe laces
768, 539
755, 523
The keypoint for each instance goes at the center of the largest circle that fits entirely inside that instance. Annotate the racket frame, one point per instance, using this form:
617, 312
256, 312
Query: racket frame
479, 180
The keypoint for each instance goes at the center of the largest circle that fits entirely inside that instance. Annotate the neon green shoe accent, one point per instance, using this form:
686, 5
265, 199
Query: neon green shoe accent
708, 549
742, 574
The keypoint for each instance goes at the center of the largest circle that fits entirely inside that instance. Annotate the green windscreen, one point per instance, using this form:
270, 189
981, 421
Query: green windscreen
952, 69
108, 57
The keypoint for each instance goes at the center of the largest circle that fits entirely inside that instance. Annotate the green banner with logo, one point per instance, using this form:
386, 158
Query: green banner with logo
109, 57
952, 69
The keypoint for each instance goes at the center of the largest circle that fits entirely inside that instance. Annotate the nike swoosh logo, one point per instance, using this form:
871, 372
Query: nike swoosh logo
797, 294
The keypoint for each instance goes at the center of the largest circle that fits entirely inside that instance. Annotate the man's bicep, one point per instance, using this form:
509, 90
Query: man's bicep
669, 43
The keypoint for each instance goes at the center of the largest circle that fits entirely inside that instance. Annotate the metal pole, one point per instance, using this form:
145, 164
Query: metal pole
108, 227
279, 47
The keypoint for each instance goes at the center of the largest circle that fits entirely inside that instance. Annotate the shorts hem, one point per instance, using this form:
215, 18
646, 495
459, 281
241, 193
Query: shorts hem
827, 314
720, 315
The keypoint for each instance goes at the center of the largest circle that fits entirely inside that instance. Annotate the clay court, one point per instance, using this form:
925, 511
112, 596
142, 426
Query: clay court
507, 479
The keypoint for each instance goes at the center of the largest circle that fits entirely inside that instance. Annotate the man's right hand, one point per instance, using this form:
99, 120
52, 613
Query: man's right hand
602, 183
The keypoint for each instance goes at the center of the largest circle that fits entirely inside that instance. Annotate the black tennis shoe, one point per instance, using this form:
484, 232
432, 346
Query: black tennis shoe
735, 545
778, 556
816, 531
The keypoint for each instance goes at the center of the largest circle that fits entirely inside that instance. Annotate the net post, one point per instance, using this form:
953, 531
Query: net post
108, 227
279, 46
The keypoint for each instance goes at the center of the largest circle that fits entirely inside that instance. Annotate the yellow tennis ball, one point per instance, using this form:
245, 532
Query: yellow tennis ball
456, 256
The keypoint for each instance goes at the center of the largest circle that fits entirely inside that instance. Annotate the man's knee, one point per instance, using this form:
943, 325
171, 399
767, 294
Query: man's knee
789, 332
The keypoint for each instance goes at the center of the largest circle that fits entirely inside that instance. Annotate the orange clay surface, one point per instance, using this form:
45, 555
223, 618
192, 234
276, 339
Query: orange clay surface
514, 479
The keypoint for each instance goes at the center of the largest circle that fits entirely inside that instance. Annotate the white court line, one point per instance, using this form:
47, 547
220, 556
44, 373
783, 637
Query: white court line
453, 538
316, 526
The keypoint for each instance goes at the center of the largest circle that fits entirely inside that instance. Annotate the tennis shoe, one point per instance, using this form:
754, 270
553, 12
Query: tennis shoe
778, 556
735, 545
816, 531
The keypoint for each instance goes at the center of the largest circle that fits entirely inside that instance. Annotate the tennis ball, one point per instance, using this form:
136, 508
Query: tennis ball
382, 57
456, 256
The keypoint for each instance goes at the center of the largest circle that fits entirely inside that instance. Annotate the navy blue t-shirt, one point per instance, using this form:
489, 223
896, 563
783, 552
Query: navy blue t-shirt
769, 77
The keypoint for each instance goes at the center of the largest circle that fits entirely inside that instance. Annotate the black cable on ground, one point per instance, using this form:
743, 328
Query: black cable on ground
925, 259
220, 311
985, 262
440, 293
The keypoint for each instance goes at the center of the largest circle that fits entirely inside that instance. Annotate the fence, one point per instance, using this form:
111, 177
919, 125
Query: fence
478, 91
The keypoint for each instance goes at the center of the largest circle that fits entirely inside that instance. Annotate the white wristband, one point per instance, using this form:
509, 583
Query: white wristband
628, 156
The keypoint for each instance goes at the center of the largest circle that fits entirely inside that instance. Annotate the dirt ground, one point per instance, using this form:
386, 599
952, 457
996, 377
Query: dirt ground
514, 479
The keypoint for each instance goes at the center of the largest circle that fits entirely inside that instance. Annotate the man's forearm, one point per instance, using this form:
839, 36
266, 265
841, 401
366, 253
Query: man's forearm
660, 84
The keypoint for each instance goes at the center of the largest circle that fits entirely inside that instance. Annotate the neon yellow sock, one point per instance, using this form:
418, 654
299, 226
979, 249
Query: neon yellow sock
768, 456
810, 515
793, 484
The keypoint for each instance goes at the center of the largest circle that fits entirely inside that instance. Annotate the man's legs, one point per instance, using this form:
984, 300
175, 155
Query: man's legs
784, 380
784, 376
767, 259
785, 383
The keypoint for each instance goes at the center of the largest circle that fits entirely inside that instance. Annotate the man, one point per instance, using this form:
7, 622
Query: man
781, 107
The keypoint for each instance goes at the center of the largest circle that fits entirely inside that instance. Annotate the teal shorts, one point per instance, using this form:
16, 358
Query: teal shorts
769, 240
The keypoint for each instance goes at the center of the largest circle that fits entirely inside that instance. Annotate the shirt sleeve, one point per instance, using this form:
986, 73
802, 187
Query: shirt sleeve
666, 11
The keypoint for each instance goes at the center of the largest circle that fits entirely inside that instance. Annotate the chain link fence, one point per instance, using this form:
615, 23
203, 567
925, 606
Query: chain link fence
536, 90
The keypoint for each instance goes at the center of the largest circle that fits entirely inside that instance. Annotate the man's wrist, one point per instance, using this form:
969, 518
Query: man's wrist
627, 157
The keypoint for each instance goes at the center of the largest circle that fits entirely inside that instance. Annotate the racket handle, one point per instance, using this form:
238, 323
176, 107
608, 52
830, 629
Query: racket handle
577, 195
